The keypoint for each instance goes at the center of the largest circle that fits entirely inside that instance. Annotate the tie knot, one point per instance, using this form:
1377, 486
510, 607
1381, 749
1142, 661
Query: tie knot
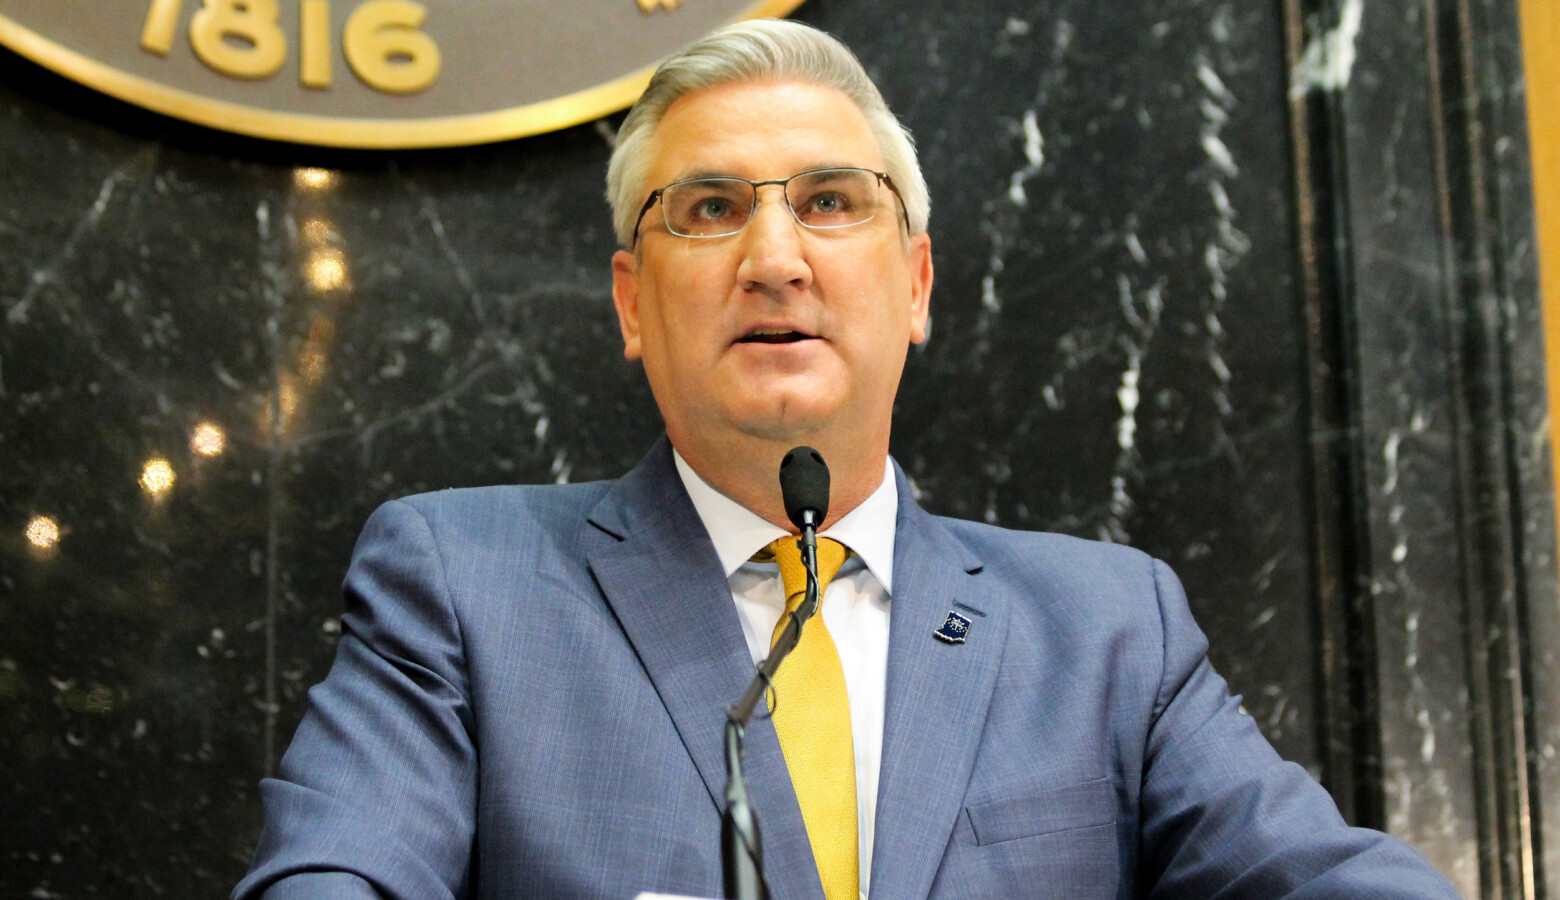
786, 552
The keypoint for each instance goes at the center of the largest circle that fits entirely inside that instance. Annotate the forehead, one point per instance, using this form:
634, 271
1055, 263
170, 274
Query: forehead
761, 130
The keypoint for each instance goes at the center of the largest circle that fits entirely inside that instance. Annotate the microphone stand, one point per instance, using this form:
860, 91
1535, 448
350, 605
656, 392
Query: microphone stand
742, 853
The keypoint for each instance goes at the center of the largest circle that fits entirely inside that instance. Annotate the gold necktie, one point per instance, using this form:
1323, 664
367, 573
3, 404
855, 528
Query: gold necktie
812, 717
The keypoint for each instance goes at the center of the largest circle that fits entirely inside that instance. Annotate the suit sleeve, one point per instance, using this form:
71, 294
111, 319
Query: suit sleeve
1224, 816
376, 795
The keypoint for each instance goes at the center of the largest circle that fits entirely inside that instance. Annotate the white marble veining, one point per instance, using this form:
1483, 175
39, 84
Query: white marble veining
1328, 61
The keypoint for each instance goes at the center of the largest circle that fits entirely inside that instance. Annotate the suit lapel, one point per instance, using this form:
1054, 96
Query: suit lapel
660, 574
938, 694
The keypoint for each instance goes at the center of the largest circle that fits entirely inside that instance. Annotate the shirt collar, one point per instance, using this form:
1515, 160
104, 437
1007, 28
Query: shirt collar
738, 532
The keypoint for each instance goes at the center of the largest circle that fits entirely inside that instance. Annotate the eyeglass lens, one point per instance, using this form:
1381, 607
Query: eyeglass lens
828, 198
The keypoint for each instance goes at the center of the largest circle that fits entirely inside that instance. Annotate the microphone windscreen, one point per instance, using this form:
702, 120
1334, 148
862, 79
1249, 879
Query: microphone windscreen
804, 484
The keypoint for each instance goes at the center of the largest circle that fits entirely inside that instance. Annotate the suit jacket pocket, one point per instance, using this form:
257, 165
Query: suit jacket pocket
1085, 805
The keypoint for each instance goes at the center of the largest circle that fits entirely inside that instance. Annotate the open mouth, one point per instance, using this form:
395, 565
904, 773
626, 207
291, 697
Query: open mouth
773, 336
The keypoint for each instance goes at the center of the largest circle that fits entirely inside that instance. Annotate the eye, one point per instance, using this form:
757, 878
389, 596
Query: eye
834, 198
711, 208
829, 203
708, 206
830, 208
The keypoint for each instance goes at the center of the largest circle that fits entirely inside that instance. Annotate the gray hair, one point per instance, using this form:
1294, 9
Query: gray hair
758, 50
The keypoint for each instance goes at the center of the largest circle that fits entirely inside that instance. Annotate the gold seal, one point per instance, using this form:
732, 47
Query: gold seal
369, 73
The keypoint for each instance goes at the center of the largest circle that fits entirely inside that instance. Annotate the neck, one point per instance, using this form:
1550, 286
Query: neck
747, 469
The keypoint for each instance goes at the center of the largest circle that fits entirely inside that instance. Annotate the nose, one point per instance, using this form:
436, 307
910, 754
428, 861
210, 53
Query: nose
772, 252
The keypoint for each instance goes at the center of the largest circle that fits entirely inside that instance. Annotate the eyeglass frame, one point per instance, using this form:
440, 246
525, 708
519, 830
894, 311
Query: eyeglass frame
882, 177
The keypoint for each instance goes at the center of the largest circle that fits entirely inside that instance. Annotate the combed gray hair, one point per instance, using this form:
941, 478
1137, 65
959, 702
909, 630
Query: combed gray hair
758, 50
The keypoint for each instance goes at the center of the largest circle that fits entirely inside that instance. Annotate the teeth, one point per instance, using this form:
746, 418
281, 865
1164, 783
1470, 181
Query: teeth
764, 331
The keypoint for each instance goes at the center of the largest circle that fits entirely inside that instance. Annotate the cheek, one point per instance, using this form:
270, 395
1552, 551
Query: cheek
880, 310
689, 297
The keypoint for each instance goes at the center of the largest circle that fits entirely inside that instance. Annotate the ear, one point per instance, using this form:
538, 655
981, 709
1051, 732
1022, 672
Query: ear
920, 264
625, 296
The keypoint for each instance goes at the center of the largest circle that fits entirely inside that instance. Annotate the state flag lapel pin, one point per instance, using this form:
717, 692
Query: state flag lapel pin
954, 630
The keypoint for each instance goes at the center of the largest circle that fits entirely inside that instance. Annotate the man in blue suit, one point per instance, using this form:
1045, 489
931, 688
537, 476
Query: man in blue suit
527, 697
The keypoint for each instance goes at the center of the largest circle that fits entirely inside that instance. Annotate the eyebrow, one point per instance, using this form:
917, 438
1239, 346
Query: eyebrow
722, 173
702, 173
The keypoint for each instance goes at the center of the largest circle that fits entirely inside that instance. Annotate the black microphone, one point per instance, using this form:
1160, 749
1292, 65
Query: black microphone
804, 487
804, 490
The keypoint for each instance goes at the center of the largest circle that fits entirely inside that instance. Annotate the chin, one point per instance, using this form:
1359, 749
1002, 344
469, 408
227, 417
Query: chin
780, 427
780, 416
779, 432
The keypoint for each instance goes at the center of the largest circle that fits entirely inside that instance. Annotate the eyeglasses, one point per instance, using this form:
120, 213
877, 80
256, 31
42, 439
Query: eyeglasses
821, 199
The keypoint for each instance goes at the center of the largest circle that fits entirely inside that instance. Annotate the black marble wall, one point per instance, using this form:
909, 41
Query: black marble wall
1249, 286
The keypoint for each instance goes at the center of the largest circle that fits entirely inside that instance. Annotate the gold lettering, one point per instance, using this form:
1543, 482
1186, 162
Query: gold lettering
239, 37
314, 44
385, 48
650, 6
162, 20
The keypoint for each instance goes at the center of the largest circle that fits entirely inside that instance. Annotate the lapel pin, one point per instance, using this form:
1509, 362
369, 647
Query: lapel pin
954, 630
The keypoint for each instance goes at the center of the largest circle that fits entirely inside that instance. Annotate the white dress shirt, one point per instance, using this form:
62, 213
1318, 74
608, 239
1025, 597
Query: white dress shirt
854, 606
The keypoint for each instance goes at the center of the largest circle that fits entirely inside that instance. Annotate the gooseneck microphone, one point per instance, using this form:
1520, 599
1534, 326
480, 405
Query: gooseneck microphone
804, 490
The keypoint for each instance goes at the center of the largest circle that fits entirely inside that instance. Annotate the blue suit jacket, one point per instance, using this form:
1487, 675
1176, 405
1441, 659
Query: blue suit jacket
527, 696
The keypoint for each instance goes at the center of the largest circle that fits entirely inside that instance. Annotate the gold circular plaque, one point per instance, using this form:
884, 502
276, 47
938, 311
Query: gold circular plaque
369, 73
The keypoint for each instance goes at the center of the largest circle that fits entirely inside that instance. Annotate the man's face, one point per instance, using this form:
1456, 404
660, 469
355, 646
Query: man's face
776, 332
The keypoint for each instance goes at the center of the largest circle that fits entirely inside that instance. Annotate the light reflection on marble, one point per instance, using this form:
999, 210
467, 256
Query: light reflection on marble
43, 532
208, 439
157, 476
